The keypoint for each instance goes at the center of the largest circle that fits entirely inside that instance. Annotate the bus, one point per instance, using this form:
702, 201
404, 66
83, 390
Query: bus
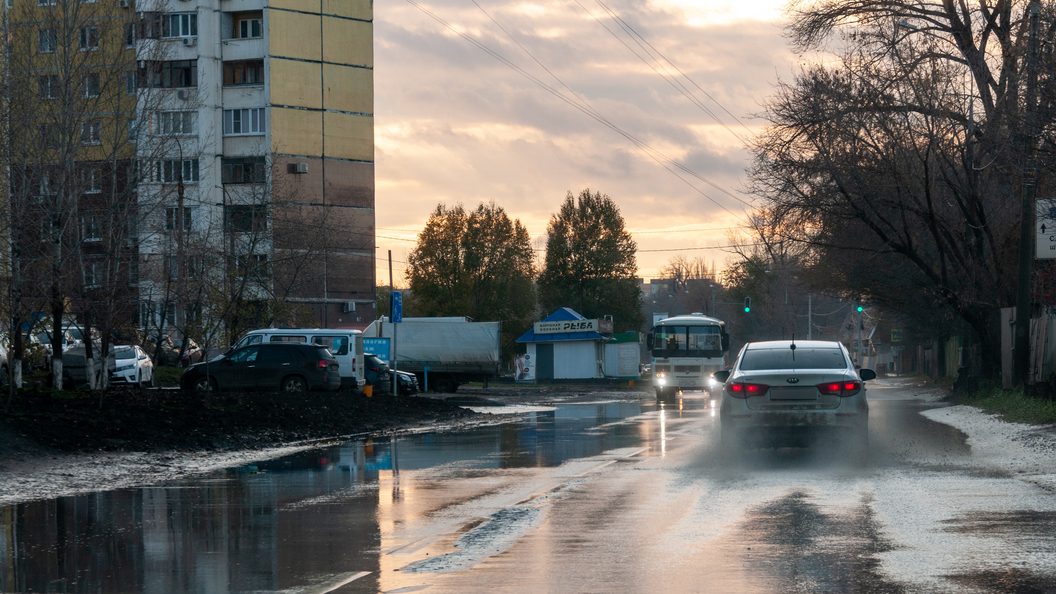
685, 351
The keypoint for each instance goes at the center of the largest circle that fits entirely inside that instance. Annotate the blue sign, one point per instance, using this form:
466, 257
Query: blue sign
379, 347
397, 307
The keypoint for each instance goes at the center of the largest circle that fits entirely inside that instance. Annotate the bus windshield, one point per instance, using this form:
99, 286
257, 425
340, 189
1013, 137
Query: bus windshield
687, 338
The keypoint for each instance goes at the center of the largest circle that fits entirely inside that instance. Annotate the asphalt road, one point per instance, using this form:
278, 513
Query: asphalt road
926, 514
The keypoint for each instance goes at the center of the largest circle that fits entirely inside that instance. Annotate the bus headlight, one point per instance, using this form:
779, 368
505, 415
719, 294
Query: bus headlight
712, 382
660, 380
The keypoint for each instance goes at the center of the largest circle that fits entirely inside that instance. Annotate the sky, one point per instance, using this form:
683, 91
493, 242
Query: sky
454, 124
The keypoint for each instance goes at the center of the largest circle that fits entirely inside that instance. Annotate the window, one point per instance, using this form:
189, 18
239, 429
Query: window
91, 274
173, 216
51, 135
248, 24
172, 266
89, 38
91, 227
92, 178
244, 121
172, 171
45, 3
49, 186
177, 122
244, 72
194, 267
49, 86
47, 41
133, 272
169, 74
133, 132
91, 133
179, 25
254, 266
90, 87
130, 35
242, 170
130, 84
245, 218
801, 358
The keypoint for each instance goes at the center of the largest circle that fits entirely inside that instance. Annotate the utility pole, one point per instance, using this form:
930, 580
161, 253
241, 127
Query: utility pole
1021, 352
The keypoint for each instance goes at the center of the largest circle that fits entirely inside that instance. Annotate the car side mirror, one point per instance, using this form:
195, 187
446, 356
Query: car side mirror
866, 374
721, 376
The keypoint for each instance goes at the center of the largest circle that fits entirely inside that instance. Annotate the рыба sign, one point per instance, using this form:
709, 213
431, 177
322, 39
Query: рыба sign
566, 326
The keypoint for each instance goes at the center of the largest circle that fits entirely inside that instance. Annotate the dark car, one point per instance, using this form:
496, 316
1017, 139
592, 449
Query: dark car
407, 383
290, 367
377, 374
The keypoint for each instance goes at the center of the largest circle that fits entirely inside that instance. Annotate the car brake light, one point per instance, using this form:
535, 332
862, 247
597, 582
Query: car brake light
743, 390
323, 364
841, 389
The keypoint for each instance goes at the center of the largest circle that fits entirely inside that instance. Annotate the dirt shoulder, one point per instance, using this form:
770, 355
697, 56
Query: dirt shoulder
55, 443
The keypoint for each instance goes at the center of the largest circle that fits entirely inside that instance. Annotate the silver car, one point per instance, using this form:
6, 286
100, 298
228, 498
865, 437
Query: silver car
795, 394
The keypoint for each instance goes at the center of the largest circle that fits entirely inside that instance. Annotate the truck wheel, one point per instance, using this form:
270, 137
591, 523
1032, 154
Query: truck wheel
445, 384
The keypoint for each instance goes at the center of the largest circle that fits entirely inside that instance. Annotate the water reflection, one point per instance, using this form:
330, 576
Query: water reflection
310, 520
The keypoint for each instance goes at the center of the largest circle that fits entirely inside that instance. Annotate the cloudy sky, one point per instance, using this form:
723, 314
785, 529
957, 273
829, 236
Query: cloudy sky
453, 124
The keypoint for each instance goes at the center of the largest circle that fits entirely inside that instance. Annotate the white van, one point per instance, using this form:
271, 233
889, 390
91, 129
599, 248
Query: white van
345, 345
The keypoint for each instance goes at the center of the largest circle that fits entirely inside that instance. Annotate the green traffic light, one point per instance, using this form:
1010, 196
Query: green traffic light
747, 309
859, 309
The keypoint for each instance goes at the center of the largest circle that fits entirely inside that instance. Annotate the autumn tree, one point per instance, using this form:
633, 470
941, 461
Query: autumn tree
894, 159
590, 262
477, 264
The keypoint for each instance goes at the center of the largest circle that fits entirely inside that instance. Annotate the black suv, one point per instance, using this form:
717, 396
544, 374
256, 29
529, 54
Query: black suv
287, 366
377, 374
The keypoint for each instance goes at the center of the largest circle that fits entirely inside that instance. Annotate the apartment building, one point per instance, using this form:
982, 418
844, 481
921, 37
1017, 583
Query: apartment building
257, 152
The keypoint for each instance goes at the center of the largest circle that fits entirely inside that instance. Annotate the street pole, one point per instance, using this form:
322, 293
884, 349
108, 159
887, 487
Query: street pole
859, 339
1021, 352
810, 321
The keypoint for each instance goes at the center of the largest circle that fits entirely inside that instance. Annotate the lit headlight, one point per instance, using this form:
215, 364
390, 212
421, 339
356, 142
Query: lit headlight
713, 382
660, 379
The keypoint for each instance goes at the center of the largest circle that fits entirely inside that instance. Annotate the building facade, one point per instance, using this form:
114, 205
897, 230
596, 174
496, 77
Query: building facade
257, 159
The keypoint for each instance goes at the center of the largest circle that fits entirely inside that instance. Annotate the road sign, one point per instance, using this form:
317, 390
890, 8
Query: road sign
397, 307
1045, 229
379, 347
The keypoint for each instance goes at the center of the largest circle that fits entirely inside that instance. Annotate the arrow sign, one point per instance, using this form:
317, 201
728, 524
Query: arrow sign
1045, 244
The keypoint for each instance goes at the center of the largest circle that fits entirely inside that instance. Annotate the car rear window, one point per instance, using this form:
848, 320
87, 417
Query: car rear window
801, 358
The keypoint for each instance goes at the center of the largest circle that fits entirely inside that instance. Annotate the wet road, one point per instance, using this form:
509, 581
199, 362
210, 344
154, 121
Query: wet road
596, 494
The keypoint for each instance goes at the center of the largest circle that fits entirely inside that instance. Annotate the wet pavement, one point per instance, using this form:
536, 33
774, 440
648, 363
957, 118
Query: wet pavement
600, 492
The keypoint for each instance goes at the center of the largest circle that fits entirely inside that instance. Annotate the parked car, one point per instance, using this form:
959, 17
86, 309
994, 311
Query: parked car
68, 341
377, 374
406, 383
345, 345
169, 354
286, 366
797, 394
129, 364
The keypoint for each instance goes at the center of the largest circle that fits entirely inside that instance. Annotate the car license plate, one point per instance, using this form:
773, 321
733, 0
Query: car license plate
798, 393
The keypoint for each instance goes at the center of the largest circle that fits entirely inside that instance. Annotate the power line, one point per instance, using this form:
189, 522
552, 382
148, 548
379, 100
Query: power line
657, 156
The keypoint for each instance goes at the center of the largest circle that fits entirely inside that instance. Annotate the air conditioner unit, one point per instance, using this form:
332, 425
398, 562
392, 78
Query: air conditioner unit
183, 94
124, 3
297, 168
348, 307
190, 41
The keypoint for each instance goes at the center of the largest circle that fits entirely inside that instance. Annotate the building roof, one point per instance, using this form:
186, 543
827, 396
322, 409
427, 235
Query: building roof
564, 314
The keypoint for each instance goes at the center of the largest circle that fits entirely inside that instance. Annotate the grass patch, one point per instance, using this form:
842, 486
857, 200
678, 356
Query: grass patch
167, 377
1012, 405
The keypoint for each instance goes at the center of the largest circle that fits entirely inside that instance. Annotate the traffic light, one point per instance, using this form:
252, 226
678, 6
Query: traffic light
747, 304
859, 307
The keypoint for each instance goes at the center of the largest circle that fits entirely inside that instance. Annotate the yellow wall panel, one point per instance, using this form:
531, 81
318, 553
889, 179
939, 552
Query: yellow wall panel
301, 5
353, 9
295, 83
349, 137
348, 42
293, 35
349, 89
296, 132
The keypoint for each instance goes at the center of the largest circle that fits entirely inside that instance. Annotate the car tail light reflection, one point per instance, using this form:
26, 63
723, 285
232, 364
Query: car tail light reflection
841, 389
743, 390
324, 364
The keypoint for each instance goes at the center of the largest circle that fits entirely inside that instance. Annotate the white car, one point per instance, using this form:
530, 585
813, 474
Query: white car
129, 364
795, 394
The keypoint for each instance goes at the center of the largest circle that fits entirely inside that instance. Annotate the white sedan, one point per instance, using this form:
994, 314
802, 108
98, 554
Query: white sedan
799, 394
129, 364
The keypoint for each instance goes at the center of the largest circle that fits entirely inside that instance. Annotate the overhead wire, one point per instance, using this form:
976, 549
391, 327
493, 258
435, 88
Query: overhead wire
590, 112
